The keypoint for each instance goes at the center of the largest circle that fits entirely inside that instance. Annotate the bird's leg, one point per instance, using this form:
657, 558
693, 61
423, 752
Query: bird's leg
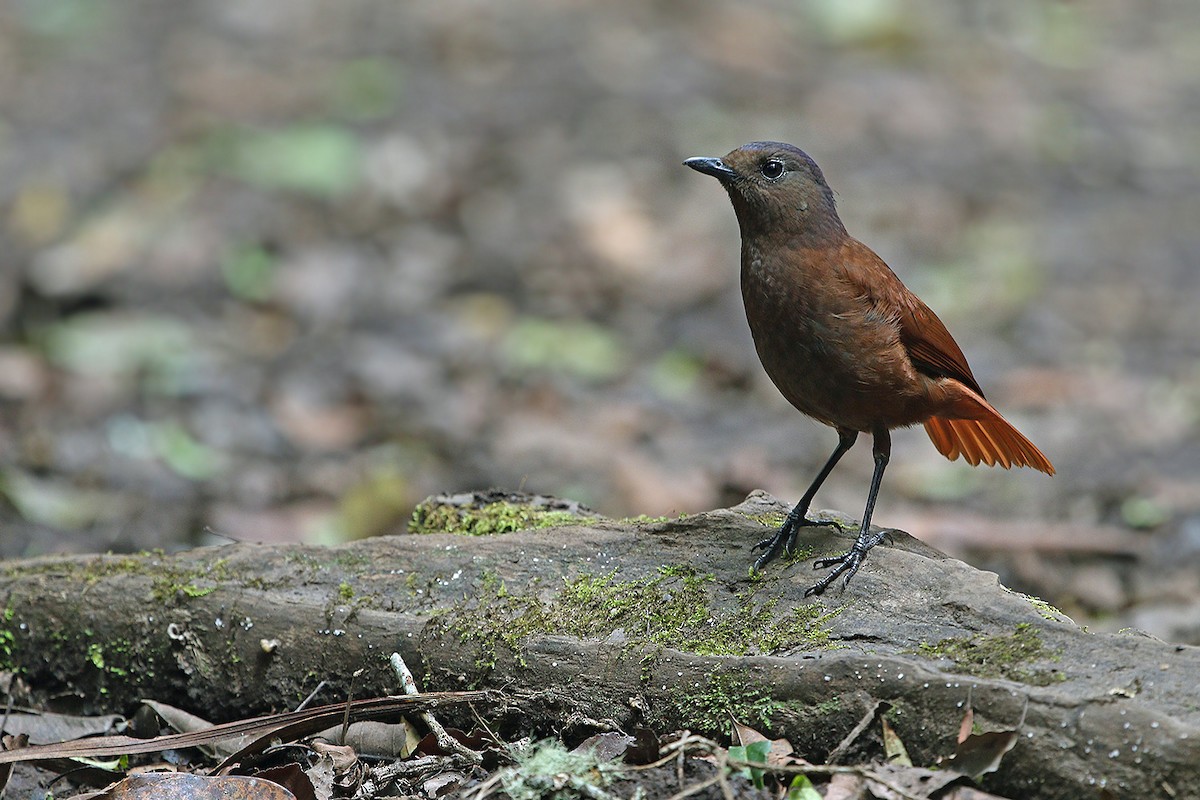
785, 538
848, 563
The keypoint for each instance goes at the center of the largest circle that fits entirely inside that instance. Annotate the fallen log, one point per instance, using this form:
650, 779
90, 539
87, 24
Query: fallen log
594, 622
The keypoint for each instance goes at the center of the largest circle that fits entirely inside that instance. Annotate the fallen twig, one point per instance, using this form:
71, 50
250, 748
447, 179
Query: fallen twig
444, 739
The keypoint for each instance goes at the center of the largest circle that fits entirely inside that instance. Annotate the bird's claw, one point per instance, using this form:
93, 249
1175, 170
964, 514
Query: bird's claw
847, 563
784, 540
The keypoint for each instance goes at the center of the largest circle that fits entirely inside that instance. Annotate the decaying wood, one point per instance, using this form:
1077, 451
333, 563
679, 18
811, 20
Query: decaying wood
574, 623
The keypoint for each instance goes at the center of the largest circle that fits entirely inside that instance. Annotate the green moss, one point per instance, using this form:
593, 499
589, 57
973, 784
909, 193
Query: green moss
94, 570
96, 655
8, 639
828, 707
1006, 656
800, 554
351, 559
165, 581
491, 583
642, 519
61, 640
259, 582
345, 590
168, 580
725, 697
171, 583
498, 517
548, 770
302, 558
770, 519
1044, 609
674, 609
775, 519
677, 608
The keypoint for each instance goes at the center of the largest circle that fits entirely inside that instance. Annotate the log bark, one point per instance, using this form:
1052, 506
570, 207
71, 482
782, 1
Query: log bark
653, 623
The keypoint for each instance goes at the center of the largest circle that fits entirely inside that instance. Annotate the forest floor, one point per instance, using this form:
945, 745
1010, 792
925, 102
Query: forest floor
276, 273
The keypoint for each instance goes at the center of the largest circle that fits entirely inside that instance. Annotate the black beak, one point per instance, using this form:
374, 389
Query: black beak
711, 166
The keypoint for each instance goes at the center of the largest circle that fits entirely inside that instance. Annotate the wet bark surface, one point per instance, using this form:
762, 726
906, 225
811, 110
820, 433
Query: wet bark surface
652, 623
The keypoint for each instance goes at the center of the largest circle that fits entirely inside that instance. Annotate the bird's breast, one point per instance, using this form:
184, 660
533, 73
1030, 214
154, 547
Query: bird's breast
827, 349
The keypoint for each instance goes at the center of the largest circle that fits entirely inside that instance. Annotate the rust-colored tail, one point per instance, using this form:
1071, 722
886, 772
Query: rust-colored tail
991, 440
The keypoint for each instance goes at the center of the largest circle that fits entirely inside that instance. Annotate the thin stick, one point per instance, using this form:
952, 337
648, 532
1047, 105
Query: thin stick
444, 740
872, 714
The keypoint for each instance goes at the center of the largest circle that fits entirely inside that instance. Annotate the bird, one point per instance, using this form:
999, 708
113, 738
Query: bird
845, 341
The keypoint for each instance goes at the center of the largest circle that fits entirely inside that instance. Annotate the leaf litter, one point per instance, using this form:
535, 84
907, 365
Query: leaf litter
284, 756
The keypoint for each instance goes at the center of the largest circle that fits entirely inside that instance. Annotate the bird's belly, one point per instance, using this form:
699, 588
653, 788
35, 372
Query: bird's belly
845, 375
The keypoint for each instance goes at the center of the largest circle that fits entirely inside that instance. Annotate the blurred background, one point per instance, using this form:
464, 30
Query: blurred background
275, 271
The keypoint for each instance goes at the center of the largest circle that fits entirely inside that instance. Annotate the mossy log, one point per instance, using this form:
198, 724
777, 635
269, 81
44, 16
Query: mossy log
657, 623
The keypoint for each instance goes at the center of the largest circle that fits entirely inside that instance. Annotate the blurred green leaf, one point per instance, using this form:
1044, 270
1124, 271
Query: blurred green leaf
62, 19
997, 273
380, 501
121, 344
676, 373
320, 160
183, 453
130, 436
366, 89
581, 349
942, 481
755, 753
57, 503
858, 20
1061, 133
249, 272
802, 789
134, 438
1143, 512
1064, 36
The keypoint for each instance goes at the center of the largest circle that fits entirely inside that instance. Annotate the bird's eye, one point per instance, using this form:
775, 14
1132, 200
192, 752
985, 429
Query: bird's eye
772, 170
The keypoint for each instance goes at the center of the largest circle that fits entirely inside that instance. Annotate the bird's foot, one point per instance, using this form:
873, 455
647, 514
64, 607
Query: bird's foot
784, 540
846, 564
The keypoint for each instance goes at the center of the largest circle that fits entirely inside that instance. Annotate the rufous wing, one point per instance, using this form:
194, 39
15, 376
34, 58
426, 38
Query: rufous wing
981, 435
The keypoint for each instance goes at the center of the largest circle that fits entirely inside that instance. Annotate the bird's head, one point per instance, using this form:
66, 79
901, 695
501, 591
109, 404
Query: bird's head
775, 188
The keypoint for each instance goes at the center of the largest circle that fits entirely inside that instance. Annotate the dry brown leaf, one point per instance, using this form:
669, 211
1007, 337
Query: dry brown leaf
968, 725
181, 786
980, 753
292, 777
343, 757
845, 786
605, 746
903, 783
286, 727
185, 722
781, 749
896, 752
45, 727
390, 740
